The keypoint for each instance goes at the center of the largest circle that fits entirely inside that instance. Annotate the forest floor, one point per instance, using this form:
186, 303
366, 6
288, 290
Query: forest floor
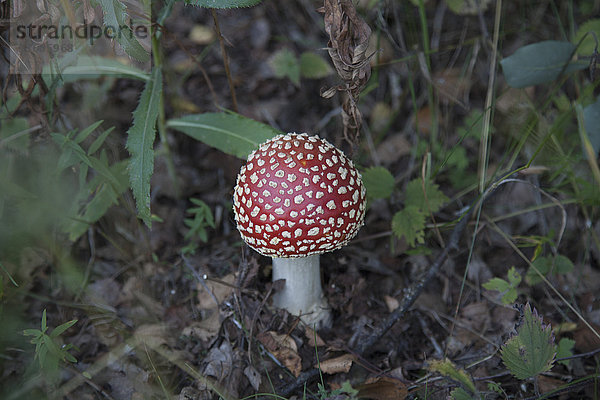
166, 314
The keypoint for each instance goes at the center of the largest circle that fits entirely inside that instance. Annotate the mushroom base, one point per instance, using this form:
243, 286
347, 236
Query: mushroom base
302, 294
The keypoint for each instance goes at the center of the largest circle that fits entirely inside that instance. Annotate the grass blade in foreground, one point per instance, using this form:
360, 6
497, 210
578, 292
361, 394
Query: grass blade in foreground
140, 138
231, 133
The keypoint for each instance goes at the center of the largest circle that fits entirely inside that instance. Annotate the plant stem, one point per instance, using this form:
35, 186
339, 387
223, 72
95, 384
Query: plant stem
225, 60
157, 56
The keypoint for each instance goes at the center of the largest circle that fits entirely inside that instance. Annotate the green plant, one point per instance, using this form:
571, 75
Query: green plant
546, 266
508, 288
202, 219
422, 198
49, 351
286, 64
532, 349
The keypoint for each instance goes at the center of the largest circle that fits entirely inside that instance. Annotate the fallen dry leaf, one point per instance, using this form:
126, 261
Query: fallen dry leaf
283, 349
314, 340
382, 388
337, 364
585, 339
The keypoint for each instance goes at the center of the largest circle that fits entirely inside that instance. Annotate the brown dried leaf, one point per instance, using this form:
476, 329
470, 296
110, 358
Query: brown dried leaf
314, 340
88, 12
283, 349
206, 329
154, 335
253, 376
585, 339
383, 388
348, 44
219, 290
337, 364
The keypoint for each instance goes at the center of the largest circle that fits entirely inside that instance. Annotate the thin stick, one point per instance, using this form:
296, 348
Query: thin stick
225, 60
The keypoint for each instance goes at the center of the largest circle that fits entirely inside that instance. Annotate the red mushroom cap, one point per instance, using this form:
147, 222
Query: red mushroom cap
298, 195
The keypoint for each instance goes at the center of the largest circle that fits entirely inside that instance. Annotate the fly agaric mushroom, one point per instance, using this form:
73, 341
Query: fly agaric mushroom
297, 197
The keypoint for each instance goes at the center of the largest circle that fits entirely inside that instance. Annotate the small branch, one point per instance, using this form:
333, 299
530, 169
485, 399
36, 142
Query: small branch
225, 60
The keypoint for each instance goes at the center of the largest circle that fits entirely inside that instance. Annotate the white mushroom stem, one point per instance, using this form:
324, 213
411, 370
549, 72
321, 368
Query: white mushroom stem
302, 294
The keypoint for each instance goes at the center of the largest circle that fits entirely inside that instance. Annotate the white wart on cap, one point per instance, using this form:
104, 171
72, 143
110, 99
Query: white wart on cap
297, 196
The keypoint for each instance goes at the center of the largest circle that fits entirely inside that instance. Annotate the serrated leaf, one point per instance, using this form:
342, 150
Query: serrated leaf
140, 140
410, 224
497, 284
532, 350
591, 121
223, 3
586, 29
539, 63
231, 133
448, 369
105, 194
115, 17
513, 277
313, 66
430, 200
565, 349
285, 64
378, 182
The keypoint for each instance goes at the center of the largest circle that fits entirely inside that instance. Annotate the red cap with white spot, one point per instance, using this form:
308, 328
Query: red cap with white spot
297, 196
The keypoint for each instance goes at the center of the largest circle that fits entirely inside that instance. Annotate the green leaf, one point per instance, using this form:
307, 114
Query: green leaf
591, 121
558, 265
565, 349
539, 63
63, 327
430, 200
223, 3
532, 350
93, 67
378, 182
497, 284
14, 134
543, 265
83, 134
99, 141
587, 46
448, 369
513, 277
461, 394
313, 66
115, 17
231, 133
562, 265
410, 224
140, 139
285, 65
